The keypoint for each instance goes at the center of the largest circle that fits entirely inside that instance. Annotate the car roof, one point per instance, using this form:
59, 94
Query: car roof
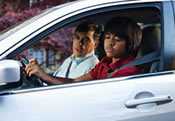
95, 2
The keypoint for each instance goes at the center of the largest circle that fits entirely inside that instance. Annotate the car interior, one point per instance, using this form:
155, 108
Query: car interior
149, 20
148, 56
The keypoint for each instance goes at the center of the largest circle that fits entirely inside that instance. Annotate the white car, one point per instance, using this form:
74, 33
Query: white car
145, 97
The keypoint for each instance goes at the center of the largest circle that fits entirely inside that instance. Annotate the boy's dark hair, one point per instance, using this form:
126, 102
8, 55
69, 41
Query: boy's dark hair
127, 29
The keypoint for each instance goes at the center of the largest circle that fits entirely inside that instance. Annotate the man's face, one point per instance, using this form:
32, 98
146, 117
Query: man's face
115, 47
82, 44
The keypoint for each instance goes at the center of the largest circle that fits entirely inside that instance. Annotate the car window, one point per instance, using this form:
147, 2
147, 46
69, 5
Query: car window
53, 50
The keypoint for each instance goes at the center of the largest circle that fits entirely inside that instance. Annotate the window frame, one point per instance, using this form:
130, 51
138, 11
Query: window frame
168, 29
74, 18
86, 14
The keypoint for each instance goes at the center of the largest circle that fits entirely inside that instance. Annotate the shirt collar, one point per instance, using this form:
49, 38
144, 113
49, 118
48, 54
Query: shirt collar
78, 60
121, 62
108, 62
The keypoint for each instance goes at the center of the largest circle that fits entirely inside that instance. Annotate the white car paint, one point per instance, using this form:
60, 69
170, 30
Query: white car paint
101, 100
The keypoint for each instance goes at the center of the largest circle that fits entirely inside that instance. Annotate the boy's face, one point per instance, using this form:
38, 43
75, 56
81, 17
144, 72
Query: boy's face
114, 46
82, 44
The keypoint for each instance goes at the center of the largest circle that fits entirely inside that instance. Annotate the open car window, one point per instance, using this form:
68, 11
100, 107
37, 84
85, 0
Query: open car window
52, 50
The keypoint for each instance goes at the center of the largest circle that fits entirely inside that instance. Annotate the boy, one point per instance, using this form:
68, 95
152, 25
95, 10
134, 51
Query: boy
122, 39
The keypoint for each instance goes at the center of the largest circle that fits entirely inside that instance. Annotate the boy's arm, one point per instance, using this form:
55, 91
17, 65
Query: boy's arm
84, 77
56, 80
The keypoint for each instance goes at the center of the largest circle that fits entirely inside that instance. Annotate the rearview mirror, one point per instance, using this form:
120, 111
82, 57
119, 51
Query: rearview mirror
9, 71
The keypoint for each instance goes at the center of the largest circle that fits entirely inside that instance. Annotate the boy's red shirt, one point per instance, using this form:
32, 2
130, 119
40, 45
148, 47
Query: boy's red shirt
105, 66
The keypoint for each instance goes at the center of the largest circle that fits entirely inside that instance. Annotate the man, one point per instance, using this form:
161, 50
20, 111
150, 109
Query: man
80, 62
83, 58
121, 37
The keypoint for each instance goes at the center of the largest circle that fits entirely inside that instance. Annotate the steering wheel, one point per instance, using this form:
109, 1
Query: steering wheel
32, 81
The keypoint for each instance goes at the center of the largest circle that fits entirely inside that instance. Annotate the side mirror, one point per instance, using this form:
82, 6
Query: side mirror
9, 72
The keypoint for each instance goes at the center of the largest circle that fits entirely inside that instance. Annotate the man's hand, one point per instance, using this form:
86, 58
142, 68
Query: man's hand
33, 68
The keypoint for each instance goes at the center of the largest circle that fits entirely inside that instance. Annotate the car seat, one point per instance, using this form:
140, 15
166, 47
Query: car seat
151, 42
148, 54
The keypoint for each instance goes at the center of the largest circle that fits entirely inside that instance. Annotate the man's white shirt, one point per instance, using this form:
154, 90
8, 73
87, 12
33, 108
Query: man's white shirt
78, 66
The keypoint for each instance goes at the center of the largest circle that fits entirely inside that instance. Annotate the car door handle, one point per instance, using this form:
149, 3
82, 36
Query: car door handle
158, 99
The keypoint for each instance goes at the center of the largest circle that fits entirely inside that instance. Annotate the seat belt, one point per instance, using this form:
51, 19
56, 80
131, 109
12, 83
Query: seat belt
151, 57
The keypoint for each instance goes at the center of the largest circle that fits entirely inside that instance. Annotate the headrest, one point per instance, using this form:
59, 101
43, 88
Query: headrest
151, 39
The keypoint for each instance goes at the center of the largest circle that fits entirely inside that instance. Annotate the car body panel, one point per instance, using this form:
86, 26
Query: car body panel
100, 101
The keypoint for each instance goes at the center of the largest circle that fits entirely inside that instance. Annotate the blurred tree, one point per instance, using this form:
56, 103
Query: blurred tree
12, 12
15, 11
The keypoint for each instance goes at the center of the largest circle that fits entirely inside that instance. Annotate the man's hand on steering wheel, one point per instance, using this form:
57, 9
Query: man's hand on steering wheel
33, 68
33, 72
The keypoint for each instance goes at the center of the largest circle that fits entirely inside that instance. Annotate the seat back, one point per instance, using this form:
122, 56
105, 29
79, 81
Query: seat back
151, 42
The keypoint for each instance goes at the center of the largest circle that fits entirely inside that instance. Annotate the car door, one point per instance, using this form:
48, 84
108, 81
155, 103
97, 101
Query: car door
147, 97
